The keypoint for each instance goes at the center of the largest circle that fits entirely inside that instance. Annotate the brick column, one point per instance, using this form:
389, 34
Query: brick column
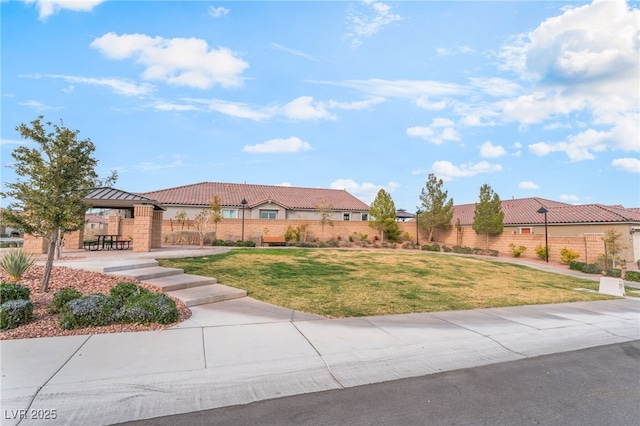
156, 231
113, 228
35, 244
74, 240
142, 227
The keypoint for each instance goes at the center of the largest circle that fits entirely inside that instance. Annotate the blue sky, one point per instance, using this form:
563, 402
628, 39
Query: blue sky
537, 99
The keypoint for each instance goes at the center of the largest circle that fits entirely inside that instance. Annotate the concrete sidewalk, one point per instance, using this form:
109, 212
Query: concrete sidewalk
240, 351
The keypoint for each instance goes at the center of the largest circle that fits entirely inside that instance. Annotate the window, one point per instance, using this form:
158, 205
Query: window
365, 216
526, 231
346, 216
268, 214
229, 214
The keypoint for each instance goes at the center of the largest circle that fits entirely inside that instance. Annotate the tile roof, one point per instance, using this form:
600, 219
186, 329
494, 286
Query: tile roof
524, 212
231, 195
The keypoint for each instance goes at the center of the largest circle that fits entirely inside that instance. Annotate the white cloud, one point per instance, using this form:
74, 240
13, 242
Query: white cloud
294, 52
498, 87
168, 106
305, 108
409, 89
284, 184
528, 185
582, 62
569, 198
368, 21
424, 103
47, 8
419, 172
365, 191
278, 146
447, 171
631, 165
217, 12
355, 105
447, 51
39, 106
489, 150
234, 109
121, 87
439, 131
178, 61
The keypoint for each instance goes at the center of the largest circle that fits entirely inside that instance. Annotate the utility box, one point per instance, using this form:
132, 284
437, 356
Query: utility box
612, 286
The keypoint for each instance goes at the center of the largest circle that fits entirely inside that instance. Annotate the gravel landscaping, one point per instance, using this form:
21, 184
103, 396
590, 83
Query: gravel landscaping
45, 324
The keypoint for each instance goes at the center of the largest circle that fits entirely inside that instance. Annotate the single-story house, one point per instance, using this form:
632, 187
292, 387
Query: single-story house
260, 201
521, 216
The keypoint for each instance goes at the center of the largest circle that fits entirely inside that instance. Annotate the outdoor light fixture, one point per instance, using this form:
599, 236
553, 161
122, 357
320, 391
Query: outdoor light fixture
418, 212
546, 237
244, 204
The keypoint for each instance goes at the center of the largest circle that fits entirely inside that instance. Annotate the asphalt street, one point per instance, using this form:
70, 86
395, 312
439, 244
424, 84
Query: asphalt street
598, 386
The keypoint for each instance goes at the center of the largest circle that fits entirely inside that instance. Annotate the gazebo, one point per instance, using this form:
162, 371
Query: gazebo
136, 218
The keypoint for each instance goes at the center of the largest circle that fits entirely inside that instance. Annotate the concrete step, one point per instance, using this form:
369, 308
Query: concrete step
179, 282
207, 294
143, 274
109, 267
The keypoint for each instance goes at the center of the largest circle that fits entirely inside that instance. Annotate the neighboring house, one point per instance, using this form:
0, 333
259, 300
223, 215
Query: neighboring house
564, 220
262, 201
95, 224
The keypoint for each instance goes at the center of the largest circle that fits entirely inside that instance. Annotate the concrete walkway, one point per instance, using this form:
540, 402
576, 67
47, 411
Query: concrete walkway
242, 350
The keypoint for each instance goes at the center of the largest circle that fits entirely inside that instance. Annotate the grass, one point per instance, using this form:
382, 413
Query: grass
345, 283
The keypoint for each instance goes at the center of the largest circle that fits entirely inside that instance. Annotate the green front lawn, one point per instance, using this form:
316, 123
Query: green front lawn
346, 283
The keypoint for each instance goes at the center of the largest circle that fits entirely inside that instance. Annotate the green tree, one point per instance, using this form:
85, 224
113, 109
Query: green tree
488, 218
325, 210
437, 212
383, 213
53, 180
216, 212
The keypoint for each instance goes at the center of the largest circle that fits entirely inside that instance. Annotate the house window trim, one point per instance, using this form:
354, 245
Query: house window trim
261, 211
520, 229
346, 216
227, 213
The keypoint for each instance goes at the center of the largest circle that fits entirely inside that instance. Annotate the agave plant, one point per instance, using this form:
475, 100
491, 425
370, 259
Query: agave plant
15, 262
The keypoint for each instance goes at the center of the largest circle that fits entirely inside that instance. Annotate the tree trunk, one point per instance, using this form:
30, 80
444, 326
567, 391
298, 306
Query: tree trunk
44, 287
58, 245
430, 235
201, 239
487, 244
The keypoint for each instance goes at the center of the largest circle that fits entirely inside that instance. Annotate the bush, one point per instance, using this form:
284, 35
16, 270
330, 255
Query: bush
431, 247
61, 297
332, 243
576, 266
614, 272
591, 268
516, 251
12, 291
462, 250
542, 252
124, 291
183, 237
446, 249
150, 307
632, 276
86, 311
15, 312
229, 243
15, 262
568, 255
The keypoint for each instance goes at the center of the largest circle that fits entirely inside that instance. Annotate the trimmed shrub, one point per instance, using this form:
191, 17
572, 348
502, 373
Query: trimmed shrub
15, 262
576, 266
332, 243
591, 268
86, 311
462, 250
14, 313
614, 272
568, 255
541, 252
124, 291
61, 297
12, 291
446, 249
150, 307
183, 238
431, 247
516, 251
632, 276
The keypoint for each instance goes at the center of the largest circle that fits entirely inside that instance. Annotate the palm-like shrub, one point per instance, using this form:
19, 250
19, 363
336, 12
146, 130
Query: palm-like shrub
16, 262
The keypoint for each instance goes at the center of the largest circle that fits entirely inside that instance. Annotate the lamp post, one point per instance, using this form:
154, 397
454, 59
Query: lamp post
546, 237
244, 204
418, 212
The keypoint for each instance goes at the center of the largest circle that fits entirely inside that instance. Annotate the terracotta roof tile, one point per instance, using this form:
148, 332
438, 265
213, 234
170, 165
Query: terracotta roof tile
524, 212
231, 195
